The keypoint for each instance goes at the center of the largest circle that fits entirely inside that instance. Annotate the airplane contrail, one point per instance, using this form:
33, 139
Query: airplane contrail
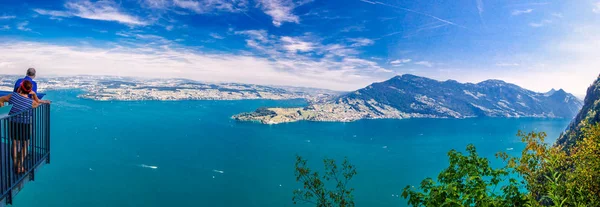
480, 9
413, 11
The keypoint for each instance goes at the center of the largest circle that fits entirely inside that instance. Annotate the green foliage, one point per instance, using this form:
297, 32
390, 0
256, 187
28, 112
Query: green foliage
468, 181
556, 177
552, 176
315, 190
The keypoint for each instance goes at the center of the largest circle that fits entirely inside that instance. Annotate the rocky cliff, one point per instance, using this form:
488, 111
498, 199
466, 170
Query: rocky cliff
589, 115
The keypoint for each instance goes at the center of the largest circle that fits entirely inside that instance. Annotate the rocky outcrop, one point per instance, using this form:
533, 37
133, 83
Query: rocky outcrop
589, 115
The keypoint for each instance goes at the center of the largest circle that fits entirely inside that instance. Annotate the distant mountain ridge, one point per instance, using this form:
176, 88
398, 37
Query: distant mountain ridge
589, 115
492, 98
410, 96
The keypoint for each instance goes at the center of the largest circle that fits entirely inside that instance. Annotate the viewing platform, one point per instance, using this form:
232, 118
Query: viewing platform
32, 138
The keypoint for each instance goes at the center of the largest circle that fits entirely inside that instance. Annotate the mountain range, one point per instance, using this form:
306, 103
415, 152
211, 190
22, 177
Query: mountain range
410, 96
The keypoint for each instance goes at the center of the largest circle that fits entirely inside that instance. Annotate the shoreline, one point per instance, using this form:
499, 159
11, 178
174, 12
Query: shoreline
280, 115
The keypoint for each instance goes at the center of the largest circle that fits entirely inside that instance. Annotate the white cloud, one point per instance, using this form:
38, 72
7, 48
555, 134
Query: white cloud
255, 34
480, 9
558, 15
216, 36
23, 26
257, 39
280, 10
480, 6
400, 61
359, 42
424, 63
286, 45
136, 38
355, 28
596, 8
207, 6
7, 17
540, 24
100, 10
507, 64
270, 59
169, 28
536, 24
169, 61
157, 4
123, 34
191, 5
293, 44
339, 50
53, 13
5, 27
517, 12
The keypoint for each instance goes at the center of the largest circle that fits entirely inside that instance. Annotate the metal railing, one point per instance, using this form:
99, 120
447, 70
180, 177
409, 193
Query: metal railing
24, 146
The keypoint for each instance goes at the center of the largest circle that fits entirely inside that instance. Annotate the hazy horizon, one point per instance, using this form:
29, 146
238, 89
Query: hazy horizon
580, 96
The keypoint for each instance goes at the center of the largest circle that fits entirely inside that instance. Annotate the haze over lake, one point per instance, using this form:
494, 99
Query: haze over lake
190, 153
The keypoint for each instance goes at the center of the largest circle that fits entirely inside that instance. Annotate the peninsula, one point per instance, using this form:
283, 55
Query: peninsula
410, 96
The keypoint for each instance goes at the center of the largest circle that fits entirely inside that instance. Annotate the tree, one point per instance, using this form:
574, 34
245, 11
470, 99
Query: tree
558, 177
551, 175
468, 181
315, 189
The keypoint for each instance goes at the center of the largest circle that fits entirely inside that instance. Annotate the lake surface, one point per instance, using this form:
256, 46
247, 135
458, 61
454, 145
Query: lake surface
103, 153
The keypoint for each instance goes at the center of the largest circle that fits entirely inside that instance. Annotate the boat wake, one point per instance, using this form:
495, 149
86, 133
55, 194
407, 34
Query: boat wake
148, 166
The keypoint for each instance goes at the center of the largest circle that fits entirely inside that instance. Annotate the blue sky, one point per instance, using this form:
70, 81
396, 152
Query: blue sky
335, 44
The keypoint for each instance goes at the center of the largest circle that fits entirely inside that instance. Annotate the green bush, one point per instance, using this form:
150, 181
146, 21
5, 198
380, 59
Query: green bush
468, 181
551, 176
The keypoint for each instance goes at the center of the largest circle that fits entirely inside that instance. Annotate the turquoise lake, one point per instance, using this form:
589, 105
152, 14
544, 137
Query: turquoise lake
103, 153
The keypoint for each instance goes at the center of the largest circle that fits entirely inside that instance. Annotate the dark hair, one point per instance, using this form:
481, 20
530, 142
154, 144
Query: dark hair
25, 86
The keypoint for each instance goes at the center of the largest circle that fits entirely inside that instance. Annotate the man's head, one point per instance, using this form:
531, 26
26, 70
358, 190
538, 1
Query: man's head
31, 72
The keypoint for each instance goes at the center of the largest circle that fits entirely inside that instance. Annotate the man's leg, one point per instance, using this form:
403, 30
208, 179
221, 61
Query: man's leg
23, 154
14, 154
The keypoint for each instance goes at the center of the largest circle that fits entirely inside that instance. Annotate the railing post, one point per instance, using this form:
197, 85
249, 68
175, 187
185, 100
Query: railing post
47, 116
9, 197
5, 157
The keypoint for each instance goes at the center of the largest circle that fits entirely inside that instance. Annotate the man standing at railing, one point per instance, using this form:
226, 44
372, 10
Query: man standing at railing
30, 76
